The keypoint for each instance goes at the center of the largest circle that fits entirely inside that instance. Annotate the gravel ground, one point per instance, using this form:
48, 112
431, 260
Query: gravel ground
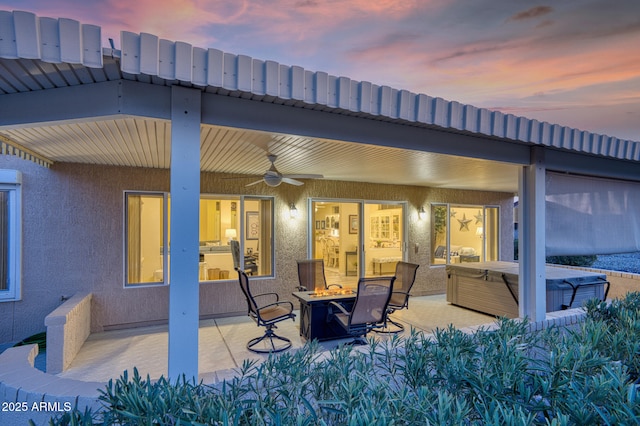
626, 262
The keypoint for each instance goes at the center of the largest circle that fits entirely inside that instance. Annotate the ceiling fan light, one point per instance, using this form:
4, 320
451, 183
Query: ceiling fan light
272, 180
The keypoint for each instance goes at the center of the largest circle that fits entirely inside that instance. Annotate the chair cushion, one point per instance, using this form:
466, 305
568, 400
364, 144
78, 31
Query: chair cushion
273, 312
343, 320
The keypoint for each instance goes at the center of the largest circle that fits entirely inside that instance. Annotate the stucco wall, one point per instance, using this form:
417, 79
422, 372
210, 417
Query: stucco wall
73, 240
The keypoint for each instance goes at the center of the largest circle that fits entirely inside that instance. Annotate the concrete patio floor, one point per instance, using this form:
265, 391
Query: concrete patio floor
222, 342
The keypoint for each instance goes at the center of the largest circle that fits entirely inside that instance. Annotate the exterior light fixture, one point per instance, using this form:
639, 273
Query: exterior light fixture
293, 211
422, 213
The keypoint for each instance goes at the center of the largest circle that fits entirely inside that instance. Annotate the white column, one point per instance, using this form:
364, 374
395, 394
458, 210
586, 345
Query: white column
185, 200
531, 238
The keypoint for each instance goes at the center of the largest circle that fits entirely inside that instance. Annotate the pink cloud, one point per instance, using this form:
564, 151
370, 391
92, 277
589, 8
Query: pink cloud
174, 20
531, 13
551, 58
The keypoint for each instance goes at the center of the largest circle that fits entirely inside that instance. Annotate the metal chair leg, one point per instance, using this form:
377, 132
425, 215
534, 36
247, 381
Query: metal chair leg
398, 328
270, 336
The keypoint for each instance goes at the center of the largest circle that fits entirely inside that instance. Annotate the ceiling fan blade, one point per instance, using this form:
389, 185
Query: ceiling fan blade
304, 176
292, 181
255, 183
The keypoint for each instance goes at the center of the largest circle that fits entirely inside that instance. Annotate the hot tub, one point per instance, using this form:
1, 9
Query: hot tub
492, 287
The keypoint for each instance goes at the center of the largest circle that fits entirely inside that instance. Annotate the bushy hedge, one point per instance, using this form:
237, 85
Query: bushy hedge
587, 374
584, 261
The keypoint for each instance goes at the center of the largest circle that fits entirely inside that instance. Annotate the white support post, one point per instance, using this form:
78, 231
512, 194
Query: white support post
531, 239
185, 210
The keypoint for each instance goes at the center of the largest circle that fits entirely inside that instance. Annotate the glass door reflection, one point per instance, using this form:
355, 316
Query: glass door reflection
336, 227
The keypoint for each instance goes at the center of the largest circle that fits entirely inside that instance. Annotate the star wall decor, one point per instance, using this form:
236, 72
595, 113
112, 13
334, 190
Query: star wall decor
452, 213
478, 217
464, 223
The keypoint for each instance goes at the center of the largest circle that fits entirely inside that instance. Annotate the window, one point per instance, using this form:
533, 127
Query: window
464, 233
248, 220
146, 237
10, 235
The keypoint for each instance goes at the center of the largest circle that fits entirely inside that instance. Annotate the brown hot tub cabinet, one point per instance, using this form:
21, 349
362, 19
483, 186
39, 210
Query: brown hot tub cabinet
492, 287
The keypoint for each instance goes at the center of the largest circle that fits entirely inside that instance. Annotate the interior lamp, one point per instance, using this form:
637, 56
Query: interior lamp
422, 213
230, 234
293, 211
479, 231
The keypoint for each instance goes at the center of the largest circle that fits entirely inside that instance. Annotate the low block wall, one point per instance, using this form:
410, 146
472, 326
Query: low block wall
37, 395
67, 329
621, 282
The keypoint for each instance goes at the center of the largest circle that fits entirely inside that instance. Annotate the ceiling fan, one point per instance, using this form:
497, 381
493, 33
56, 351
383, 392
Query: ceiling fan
273, 177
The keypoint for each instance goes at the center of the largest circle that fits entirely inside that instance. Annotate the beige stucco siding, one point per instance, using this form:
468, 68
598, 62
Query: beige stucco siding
73, 240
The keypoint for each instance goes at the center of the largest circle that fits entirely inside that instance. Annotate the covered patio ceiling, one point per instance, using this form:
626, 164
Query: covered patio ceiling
140, 142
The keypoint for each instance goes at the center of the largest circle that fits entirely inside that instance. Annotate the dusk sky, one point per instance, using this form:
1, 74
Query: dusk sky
569, 62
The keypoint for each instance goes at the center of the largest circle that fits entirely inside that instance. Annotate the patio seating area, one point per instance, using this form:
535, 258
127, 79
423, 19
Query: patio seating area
222, 342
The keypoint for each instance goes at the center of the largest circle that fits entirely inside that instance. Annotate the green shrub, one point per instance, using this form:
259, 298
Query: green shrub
584, 374
39, 338
584, 261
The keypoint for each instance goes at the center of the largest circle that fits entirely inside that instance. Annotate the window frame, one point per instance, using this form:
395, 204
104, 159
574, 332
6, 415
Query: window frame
484, 208
11, 182
166, 237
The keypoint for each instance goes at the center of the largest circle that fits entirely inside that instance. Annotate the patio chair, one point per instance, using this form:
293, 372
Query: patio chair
333, 253
405, 277
369, 308
239, 260
266, 310
311, 276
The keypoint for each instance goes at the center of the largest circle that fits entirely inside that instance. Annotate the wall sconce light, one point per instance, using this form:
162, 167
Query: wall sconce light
479, 231
422, 213
293, 211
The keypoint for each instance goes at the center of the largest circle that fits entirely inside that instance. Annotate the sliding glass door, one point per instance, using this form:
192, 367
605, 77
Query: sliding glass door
357, 238
336, 234
383, 237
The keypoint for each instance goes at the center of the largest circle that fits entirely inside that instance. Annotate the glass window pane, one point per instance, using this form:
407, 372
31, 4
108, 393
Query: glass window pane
439, 224
258, 236
335, 227
383, 237
10, 237
466, 234
219, 224
492, 233
144, 238
4, 240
